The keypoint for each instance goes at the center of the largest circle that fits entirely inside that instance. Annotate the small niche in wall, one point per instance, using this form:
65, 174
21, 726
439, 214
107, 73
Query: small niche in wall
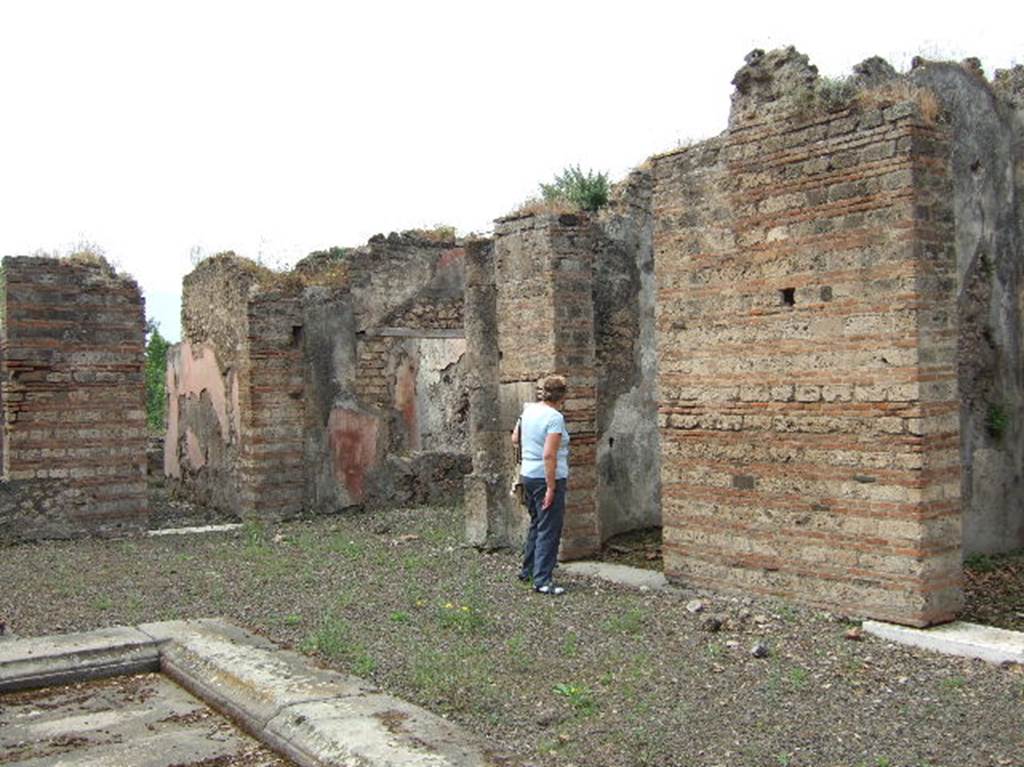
826, 292
787, 296
296, 336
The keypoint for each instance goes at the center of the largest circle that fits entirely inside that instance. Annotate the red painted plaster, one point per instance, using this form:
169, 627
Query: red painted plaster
353, 441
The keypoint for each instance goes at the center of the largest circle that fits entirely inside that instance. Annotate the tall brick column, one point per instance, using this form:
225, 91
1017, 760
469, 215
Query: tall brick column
541, 283
272, 475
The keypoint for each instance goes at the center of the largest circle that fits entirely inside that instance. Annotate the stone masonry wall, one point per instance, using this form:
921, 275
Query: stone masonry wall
308, 391
807, 348
393, 424
71, 384
208, 382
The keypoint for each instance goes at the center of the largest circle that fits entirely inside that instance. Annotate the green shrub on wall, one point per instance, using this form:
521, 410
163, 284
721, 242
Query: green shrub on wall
997, 420
587, 190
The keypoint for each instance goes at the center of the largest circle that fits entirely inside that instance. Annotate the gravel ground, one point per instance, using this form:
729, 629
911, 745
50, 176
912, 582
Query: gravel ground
601, 677
994, 590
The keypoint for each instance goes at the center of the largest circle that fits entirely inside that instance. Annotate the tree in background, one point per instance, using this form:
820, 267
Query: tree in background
156, 377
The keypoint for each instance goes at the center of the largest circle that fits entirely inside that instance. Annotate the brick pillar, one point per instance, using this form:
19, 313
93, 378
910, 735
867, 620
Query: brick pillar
545, 324
272, 452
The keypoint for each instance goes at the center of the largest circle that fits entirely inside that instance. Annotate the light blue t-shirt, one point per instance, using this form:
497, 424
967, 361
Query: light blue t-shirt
536, 423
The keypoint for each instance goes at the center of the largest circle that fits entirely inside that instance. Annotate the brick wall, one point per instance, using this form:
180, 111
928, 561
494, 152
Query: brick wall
373, 381
806, 340
73, 399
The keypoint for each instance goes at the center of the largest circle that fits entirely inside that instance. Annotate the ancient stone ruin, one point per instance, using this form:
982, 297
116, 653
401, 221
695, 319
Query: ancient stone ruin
71, 400
336, 385
795, 347
821, 311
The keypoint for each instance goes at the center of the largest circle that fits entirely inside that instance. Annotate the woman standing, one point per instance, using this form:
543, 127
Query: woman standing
544, 440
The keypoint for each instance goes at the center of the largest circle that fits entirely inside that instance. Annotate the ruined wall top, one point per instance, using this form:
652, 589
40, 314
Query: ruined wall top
783, 80
94, 269
770, 79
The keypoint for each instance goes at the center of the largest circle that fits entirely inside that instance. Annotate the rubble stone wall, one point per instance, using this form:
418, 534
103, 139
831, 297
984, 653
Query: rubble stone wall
807, 333
72, 391
208, 383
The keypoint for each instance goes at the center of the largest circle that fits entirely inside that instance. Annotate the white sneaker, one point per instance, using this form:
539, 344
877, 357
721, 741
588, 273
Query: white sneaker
550, 589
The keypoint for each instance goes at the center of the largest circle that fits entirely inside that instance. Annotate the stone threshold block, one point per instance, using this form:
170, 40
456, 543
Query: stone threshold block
624, 575
314, 717
968, 640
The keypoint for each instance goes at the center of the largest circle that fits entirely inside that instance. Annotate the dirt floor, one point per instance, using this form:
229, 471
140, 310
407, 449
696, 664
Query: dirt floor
601, 677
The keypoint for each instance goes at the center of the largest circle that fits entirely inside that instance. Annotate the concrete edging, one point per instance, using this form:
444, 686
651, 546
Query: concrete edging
968, 640
313, 716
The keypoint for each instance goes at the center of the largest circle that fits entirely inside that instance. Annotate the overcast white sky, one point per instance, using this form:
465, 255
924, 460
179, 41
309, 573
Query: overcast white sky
274, 129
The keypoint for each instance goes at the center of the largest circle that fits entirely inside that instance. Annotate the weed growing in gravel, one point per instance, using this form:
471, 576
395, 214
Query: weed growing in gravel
340, 543
414, 563
460, 617
333, 639
103, 602
306, 541
414, 592
291, 620
454, 676
270, 567
548, 746
330, 637
798, 677
981, 563
515, 648
436, 535
953, 683
570, 645
254, 533
399, 616
630, 622
578, 696
134, 608
786, 611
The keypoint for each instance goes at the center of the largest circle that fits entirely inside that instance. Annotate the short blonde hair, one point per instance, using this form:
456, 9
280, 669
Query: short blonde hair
551, 388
